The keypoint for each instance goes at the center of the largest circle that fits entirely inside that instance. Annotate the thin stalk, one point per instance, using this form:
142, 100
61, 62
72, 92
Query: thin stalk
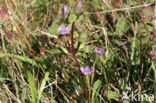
155, 85
2, 36
154, 68
72, 37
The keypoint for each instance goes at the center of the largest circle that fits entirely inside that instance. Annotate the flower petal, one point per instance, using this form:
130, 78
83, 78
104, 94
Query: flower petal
65, 9
79, 5
63, 30
99, 51
86, 70
82, 70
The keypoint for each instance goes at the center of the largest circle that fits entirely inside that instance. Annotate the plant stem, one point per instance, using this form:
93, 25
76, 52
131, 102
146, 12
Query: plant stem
154, 68
72, 37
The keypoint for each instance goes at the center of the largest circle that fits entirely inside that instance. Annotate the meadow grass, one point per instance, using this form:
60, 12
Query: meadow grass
77, 51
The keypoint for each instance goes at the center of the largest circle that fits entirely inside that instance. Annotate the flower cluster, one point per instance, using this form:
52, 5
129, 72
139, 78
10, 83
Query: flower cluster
64, 31
87, 70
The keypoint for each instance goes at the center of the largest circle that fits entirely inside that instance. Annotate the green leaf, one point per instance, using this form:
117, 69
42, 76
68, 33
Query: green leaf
43, 85
133, 47
64, 50
54, 51
97, 84
72, 18
80, 18
56, 19
107, 4
83, 37
76, 34
22, 58
82, 46
121, 26
113, 95
32, 86
126, 101
53, 29
87, 49
96, 2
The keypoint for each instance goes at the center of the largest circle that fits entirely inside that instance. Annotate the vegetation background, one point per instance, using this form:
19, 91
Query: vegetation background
39, 65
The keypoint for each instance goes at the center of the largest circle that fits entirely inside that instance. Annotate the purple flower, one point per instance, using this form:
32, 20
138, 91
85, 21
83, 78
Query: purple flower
86, 70
99, 51
79, 5
63, 31
65, 9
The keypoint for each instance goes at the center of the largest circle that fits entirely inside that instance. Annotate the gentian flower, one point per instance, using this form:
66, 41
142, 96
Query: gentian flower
86, 70
79, 5
65, 9
63, 31
99, 51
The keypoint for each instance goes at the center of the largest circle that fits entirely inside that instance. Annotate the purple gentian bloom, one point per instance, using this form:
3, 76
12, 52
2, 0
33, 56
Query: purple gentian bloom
86, 70
99, 51
65, 9
79, 5
63, 31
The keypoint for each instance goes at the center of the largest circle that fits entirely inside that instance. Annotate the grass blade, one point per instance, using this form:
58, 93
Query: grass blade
32, 86
43, 85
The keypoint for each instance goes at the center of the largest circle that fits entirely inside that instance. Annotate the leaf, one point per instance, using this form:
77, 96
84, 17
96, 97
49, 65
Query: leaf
87, 49
64, 50
54, 51
106, 3
133, 47
53, 29
22, 58
43, 85
121, 26
97, 84
96, 2
113, 95
126, 101
83, 37
32, 86
80, 18
76, 34
82, 46
72, 18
